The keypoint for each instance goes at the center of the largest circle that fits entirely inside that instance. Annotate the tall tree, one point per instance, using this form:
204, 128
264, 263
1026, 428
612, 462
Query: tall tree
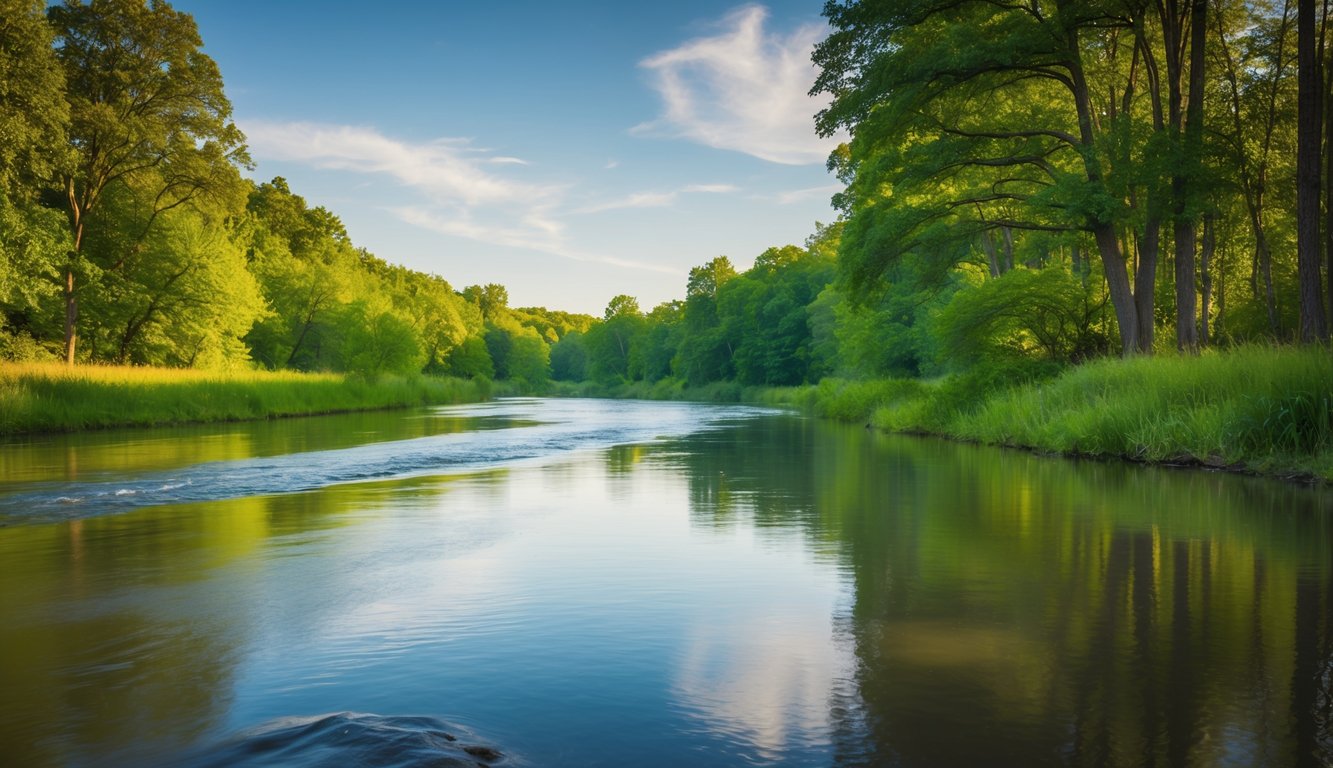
1309, 121
33, 112
147, 110
33, 121
1254, 62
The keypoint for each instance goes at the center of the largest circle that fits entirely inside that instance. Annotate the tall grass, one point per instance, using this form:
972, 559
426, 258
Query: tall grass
1268, 409
41, 397
1263, 406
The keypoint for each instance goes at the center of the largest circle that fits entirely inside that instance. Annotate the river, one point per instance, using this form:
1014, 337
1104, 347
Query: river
620, 583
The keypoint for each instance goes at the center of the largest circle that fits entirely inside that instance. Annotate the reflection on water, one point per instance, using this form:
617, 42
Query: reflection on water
770, 590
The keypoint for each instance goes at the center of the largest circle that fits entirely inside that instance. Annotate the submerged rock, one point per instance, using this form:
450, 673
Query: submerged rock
349, 738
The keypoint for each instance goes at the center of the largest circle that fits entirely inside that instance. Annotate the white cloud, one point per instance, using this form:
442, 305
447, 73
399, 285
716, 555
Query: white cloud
515, 238
463, 189
449, 170
711, 189
655, 199
636, 200
744, 90
798, 195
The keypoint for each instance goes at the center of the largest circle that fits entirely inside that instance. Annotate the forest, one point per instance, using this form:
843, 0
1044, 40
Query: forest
1028, 186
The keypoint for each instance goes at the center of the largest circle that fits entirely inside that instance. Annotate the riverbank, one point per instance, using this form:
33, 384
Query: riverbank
40, 397
1267, 410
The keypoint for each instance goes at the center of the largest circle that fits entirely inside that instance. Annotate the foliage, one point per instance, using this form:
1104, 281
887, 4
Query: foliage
569, 358
33, 113
1024, 313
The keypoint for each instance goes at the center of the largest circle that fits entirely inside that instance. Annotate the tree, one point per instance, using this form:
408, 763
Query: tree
33, 122
186, 299
147, 110
704, 354
1254, 61
1042, 314
1309, 123
377, 343
610, 343
954, 133
569, 358
33, 112
470, 360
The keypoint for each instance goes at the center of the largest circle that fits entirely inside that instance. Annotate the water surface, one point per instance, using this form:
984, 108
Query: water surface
622, 583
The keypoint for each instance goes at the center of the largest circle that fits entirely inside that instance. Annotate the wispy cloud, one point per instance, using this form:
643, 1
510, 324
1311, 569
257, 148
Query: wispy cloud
797, 195
515, 238
464, 191
744, 90
655, 199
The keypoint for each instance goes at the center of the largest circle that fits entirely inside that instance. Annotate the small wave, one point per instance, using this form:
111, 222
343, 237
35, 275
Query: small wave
563, 427
349, 738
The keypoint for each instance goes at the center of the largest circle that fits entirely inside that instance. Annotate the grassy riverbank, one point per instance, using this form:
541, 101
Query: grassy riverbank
55, 398
1268, 410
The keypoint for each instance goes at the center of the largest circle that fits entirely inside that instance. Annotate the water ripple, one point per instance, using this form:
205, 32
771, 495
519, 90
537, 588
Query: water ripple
565, 426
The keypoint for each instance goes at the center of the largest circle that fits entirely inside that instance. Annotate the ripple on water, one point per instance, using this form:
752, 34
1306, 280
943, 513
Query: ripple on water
349, 738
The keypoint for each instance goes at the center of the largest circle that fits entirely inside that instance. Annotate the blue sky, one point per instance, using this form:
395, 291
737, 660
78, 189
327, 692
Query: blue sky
571, 151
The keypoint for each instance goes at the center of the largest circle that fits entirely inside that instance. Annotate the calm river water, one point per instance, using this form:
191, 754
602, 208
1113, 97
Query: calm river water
618, 583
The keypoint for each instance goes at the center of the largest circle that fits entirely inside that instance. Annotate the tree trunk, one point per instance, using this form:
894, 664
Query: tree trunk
1308, 135
1145, 285
1328, 174
1218, 327
1206, 277
988, 246
71, 316
1186, 179
1008, 248
1117, 285
1104, 231
1187, 330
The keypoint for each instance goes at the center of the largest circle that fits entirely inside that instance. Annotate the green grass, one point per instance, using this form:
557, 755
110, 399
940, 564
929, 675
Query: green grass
40, 397
1264, 409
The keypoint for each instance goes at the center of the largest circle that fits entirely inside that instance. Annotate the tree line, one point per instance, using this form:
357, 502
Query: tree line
1167, 150
1028, 185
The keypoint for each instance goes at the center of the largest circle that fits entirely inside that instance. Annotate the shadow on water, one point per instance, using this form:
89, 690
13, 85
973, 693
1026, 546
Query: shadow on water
351, 739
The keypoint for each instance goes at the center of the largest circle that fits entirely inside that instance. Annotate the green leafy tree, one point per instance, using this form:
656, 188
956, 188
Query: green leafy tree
1031, 314
375, 343
308, 270
186, 299
611, 343
704, 353
34, 116
569, 358
658, 344
470, 360
1056, 127
147, 111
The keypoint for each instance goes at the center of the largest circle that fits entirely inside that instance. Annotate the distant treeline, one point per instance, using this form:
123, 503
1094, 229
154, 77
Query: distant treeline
1013, 209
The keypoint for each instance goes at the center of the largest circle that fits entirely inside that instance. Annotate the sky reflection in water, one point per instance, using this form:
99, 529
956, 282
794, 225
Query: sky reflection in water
769, 590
